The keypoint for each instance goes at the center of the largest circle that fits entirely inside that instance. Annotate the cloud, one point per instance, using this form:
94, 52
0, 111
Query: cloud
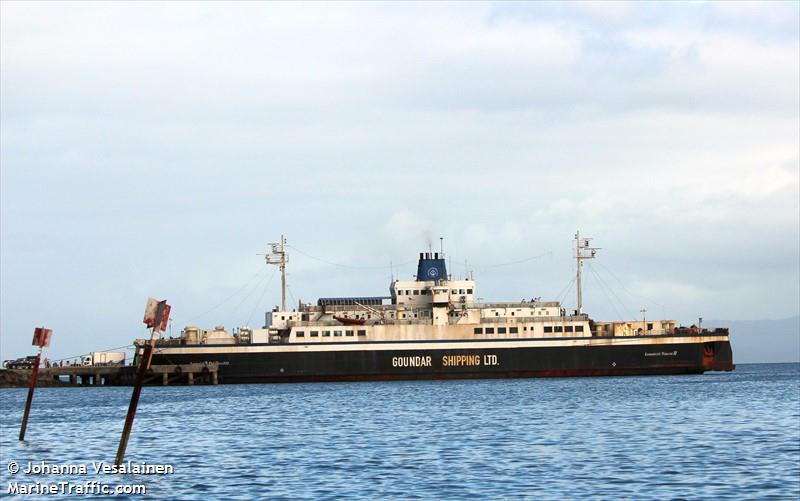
154, 149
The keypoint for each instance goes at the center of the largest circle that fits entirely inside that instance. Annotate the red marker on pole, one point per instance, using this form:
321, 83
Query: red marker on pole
41, 338
156, 316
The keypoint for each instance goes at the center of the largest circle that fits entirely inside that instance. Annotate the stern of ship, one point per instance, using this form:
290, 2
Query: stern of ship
718, 356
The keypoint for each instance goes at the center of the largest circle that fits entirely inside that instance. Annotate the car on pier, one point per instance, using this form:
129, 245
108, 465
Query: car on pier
20, 363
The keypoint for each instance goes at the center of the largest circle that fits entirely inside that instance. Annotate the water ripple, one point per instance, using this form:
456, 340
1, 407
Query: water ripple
719, 435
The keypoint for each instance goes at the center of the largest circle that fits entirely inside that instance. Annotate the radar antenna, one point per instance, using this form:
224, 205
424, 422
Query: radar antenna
582, 252
279, 258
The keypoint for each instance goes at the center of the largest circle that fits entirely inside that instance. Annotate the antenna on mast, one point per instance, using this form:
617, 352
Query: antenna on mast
582, 252
279, 258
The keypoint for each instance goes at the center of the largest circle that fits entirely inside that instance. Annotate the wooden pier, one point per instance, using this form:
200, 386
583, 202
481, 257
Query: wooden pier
161, 375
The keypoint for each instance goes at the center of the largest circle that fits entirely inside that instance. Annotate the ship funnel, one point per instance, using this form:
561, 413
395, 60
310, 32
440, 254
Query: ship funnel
431, 267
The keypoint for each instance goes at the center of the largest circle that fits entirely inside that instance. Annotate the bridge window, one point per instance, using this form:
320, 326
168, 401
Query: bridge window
490, 330
478, 330
469, 291
416, 292
326, 333
314, 333
559, 328
568, 328
578, 328
547, 328
501, 330
337, 333
300, 334
513, 330
348, 333
362, 332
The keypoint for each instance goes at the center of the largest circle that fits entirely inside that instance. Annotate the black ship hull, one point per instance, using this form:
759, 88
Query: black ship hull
449, 360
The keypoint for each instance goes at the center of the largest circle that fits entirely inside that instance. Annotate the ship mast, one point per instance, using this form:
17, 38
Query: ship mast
279, 258
582, 252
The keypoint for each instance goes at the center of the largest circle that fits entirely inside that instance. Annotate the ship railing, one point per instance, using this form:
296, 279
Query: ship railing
171, 341
518, 304
559, 319
333, 308
651, 332
694, 331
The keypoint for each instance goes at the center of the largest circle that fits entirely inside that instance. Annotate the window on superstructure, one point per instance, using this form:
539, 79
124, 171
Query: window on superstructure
348, 333
362, 332
425, 292
548, 328
490, 330
300, 334
501, 330
337, 333
326, 333
559, 328
578, 328
314, 333
461, 291
513, 330
416, 292
512, 313
497, 314
469, 291
478, 330
649, 327
567, 328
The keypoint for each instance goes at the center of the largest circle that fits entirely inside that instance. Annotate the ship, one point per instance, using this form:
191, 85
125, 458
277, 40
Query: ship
435, 327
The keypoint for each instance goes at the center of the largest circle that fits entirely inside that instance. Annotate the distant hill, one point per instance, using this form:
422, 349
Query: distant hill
763, 340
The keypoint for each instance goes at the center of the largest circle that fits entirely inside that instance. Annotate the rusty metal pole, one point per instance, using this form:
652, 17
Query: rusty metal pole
31, 387
144, 364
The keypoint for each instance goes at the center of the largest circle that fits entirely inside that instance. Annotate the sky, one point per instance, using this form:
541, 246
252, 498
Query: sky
155, 149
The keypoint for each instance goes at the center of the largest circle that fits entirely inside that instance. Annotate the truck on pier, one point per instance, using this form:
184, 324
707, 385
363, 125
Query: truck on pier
104, 358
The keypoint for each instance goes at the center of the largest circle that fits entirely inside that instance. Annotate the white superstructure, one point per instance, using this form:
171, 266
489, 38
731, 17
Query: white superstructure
432, 307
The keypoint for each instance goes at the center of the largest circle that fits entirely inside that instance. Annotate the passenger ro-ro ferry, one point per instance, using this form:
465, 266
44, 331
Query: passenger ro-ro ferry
433, 327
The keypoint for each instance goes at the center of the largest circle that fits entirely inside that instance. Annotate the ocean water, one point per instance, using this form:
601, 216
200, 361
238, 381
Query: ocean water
713, 436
